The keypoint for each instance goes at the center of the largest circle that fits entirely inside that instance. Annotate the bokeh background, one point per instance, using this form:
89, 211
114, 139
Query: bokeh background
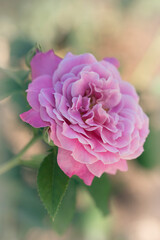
126, 29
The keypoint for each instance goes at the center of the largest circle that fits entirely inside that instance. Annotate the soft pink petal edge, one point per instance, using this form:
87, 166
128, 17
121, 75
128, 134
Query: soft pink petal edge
113, 61
98, 168
33, 118
44, 63
71, 167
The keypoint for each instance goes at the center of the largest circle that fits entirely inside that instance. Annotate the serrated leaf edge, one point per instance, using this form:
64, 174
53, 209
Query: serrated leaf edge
52, 217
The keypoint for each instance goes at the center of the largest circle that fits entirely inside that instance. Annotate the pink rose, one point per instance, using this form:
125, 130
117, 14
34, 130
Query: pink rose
93, 115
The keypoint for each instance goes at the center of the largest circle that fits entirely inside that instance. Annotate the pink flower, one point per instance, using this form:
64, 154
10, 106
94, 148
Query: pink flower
93, 115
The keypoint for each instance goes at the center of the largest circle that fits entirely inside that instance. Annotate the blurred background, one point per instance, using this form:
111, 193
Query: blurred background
126, 29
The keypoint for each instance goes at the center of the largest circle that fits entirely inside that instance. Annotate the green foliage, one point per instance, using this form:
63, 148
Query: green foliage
150, 156
52, 184
46, 137
20, 206
19, 47
100, 191
31, 53
67, 209
12, 82
34, 161
8, 87
124, 4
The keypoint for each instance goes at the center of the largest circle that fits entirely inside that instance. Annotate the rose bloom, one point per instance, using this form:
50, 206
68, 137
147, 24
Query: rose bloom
94, 117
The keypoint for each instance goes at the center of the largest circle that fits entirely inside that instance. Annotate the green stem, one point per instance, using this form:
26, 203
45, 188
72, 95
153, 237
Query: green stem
15, 161
34, 162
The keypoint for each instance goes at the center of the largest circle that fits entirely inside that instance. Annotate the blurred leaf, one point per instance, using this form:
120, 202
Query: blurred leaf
100, 191
34, 161
18, 76
20, 203
64, 37
29, 208
150, 156
67, 209
20, 206
12, 82
124, 4
20, 105
52, 184
22, 78
32, 52
8, 87
20, 46
46, 137
89, 221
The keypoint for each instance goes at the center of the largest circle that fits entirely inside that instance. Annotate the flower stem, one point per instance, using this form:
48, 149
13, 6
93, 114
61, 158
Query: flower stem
15, 161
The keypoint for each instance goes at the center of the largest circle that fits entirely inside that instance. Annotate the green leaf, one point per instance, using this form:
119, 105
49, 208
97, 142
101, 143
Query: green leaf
8, 87
150, 156
32, 52
66, 210
46, 137
100, 191
34, 161
18, 76
52, 184
12, 82
21, 76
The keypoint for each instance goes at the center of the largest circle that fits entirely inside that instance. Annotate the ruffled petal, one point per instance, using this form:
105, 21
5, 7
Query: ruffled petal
34, 89
71, 61
120, 165
44, 63
34, 119
80, 154
71, 167
98, 168
114, 61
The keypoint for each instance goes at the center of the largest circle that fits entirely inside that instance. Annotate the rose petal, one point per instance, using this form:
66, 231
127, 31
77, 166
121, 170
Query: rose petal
98, 168
33, 118
34, 89
71, 167
70, 61
112, 60
44, 63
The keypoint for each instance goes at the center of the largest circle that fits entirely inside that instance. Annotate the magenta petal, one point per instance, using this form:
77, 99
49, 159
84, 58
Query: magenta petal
120, 165
52, 134
134, 155
44, 63
71, 167
70, 61
33, 118
114, 61
81, 155
34, 89
80, 86
128, 89
98, 168
66, 143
